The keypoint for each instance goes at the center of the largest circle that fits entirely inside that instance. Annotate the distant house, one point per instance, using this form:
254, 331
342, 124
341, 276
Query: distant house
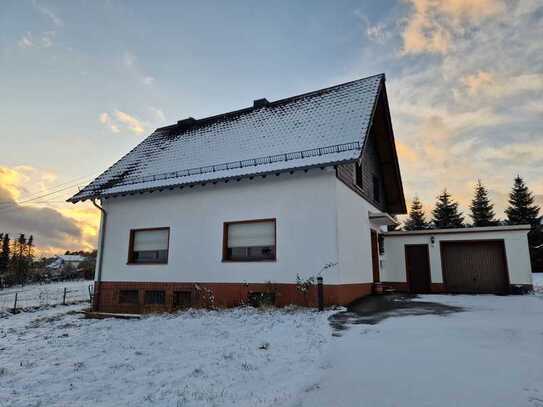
61, 262
252, 203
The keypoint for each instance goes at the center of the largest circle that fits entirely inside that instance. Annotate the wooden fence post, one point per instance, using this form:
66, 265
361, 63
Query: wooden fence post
64, 297
15, 304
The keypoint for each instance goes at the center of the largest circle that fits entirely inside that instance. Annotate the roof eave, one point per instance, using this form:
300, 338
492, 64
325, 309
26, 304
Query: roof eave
76, 198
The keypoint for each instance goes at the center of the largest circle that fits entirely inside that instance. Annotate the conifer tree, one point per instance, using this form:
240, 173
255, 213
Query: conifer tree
18, 263
482, 210
4, 253
521, 209
445, 213
416, 219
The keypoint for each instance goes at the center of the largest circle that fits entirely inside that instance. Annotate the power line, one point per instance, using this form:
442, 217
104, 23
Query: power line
42, 196
34, 195
28, 205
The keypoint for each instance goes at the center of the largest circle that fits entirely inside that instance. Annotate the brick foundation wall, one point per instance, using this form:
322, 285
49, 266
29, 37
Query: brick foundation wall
221, 295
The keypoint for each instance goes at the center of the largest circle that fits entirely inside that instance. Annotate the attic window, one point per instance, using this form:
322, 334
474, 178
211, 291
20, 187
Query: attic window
358, 175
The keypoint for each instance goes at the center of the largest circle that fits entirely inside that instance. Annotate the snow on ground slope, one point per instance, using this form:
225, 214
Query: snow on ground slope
239, 357
34, 295
538, 282
489, 355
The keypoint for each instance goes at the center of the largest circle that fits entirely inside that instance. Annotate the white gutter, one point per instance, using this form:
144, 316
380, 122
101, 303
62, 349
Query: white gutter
98, 280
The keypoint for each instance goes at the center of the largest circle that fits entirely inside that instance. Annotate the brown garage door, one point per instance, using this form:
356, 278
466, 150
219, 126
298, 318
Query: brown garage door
474, 267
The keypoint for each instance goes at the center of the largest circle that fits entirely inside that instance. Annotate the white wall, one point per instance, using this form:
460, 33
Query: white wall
303, 203
516, 249
354, 239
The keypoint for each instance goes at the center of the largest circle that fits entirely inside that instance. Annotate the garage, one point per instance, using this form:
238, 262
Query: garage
481, 260
475, 267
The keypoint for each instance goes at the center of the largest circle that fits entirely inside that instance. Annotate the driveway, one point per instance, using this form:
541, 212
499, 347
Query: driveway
376, 308
434, 350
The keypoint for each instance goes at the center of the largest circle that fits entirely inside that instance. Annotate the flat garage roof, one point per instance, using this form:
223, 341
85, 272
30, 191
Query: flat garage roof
511, 228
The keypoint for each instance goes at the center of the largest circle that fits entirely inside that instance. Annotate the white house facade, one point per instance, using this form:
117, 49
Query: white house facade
251, 203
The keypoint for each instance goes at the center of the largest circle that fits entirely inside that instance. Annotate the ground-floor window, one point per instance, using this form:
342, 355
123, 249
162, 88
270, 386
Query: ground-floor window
253, 240
149, 246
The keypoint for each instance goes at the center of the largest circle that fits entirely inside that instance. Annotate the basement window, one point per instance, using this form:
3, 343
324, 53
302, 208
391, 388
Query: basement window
155, 297
252, 240
358, 175
149, 246
182, 299
129, 297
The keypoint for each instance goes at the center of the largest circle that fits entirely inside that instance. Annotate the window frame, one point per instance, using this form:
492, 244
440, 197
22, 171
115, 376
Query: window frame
226, 258
131, 252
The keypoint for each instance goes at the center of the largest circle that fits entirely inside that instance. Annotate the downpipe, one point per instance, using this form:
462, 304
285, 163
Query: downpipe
98, 280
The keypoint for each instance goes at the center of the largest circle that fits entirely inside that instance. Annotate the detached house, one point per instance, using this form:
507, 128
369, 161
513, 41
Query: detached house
222, 208
250, 204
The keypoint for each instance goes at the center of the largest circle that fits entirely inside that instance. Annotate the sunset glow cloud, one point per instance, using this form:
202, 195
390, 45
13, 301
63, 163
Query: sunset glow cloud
55, 225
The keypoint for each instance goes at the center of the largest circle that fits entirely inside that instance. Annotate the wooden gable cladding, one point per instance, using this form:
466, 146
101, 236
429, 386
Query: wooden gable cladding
370, 168
379, 159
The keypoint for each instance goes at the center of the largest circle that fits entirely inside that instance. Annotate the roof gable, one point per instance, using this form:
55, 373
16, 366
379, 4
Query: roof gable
319, 128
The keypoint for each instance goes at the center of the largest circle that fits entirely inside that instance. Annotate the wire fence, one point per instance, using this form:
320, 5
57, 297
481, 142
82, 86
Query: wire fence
32, 297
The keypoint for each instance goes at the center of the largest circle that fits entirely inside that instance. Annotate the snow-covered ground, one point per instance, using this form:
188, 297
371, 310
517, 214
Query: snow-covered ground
36, 295
488, 355
239, 357
538, 282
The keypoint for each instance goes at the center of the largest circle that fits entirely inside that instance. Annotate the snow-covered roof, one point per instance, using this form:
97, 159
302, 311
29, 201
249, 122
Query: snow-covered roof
72, 257
319, 128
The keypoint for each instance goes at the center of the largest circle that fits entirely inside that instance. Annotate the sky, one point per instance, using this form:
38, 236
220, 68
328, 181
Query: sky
83, 82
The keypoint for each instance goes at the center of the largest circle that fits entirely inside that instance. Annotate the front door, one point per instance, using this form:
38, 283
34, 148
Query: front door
417, 264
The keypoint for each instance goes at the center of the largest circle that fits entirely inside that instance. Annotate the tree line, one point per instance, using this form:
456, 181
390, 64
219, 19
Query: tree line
521, 210
16, 257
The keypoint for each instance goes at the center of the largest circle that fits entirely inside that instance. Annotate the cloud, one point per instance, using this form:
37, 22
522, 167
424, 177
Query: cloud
26, 41
56, 20
375, 32
158, 114
56, 227
106, 120
113, 122
133, 124
45, 40
118, 120
433, 24
129, 64
466, 99
148, 80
